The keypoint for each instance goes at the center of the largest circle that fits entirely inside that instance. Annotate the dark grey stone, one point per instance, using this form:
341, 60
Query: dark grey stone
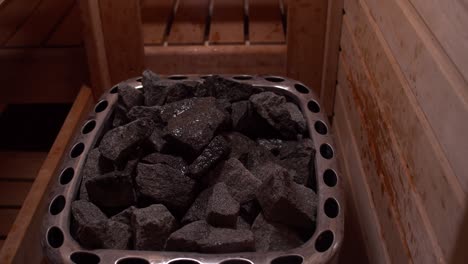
285, 117
181, 90
154, 90
198, 211
273, 145
174, 162
120, 116
156, 141
239, 143
160, 183
152, 226
299, 156
242, 223
129, 96
246, 120
270, 236
282, 200
217, 150
169, 111
265, 170
222, 88
124, 216
222, 209
151, 112
95, 165
191, 130
118, 143
250, 210
111, 190
241, 183
187, 238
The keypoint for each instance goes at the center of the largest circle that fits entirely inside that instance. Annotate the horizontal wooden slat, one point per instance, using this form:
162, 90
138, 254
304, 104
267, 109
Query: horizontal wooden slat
69, 31
13, 13
7, 217
12, 194
189, 22
227, 22
265, 22
155, 17
20, 165
41, 75
254, 59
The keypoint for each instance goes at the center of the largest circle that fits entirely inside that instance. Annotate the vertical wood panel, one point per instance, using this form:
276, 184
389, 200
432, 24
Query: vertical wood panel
155, 17
305, 41
7, 217
69, 31
227, 22
13, 14
265, 22
189, 22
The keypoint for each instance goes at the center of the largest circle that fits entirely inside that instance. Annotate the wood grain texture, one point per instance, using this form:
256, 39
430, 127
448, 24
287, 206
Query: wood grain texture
12, 194
155, 17
227, 22
20, 165
265, 22
305, 41
40, 23
7, 217
69, 31
435, 81
189, 22
123, 39
330, 58
234, 59
12, 15
354, 177
42, 75
23, 242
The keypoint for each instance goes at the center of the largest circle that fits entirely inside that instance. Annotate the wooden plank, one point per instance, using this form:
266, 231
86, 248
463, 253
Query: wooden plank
123, 39
41, 75
432, 182
13, 193
2, 241
7, 217
40, 23
227, 22
69, 31
306, 37
448, 21
12, 14
189, 22
357, 189
155, 17
330, 61
95, 47
265, 22
439, 87
20, 165
23, 242
235, 59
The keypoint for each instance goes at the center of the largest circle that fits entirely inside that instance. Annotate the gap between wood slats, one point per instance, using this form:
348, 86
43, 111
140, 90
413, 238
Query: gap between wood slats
227, 22
189, 22
265, 22
20, 165
155, 16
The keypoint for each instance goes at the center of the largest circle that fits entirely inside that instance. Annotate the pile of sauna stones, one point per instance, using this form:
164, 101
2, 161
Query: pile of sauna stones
212, 166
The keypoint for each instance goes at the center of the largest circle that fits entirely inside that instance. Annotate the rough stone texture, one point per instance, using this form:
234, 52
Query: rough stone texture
155, 91
240, 144
198, 211
246, 120
111, 190
285, 117
270, 236
222, 209
242, 224
200, 237
282, 200
298, 156
124, 216
174, 109
217, 150
151, 112
129, 96
266, 170
222, 88
95, 165
193, 129
250, 210
156, 141
160, 183
181, 90
118, 143
93, 230
174, 162
241, 183
120, 116
152, 226
273, 145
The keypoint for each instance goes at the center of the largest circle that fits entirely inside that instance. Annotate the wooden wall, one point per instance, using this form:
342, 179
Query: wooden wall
401, 122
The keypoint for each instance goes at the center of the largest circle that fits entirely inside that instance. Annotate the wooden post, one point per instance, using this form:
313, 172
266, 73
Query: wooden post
305, 41
113, 40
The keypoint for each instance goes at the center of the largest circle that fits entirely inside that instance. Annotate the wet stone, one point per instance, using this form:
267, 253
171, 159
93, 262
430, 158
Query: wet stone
217, 150
129, 96
270, 236
118, 143
111, 190
222, 88
152, 226
174, 162
181, 90
222, 209
151, 112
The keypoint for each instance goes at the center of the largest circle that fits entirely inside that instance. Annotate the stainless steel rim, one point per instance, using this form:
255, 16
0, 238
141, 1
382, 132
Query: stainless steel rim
60, 247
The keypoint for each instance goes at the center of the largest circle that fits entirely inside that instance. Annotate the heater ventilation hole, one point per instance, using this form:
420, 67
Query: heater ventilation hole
242, 77
66, 176
55, 237
331, 208
274, 79
236, 261
139, 80
88, 127
57, 205
301, 88
177, 77
321, 128
324, 241
329, 177
291, 259
205, 77
101, 106
84, 258
133, 261
326, 151
313, 106
114, 90
77, 150
184, 261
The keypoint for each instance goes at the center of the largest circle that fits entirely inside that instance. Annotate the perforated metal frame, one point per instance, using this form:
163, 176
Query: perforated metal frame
60, 247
